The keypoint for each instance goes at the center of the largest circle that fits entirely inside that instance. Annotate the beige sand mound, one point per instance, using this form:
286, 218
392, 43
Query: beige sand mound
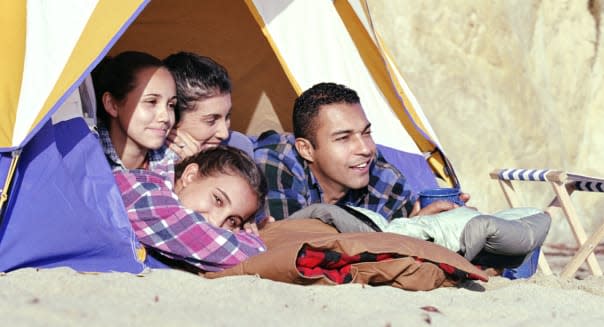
63, 297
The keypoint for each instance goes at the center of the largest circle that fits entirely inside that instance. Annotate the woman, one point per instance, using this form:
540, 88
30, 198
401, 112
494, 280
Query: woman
204, 104
136, 97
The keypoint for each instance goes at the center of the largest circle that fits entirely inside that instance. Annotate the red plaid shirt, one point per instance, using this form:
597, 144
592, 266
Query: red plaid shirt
161, 222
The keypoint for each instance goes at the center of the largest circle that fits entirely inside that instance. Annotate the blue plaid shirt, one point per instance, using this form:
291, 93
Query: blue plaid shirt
292, 186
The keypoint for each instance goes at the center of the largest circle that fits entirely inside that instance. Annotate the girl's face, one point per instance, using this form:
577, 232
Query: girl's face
146, 114
209, 122
224, 200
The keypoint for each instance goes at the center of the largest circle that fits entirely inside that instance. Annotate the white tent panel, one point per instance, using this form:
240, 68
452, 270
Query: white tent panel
304, 32
53, 29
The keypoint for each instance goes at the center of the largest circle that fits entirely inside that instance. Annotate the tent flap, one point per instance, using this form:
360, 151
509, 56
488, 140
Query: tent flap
64, 208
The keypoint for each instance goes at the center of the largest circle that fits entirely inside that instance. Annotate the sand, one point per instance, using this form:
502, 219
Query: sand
64, 297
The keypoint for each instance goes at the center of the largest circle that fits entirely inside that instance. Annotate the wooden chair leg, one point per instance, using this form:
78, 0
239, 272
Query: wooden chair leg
578, 231
509, 192
586, 249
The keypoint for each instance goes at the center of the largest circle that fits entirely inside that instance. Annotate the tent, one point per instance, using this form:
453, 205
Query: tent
59, 203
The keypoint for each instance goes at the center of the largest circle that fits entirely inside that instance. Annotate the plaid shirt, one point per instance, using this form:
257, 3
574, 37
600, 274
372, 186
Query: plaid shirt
155, 158
292, 186
161, 222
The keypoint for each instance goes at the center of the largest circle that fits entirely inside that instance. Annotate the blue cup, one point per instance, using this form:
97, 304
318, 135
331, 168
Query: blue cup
440, 194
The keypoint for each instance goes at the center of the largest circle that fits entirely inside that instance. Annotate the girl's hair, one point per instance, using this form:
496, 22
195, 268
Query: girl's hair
227, 160
117, 75
197, 77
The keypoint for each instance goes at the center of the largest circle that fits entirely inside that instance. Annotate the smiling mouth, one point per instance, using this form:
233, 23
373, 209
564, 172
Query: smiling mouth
160, 130
362, 165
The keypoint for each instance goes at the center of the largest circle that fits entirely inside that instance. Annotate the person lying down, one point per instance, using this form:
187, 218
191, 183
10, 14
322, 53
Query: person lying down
501, 240
198, 218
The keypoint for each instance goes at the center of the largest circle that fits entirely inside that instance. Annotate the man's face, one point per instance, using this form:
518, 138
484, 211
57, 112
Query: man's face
344, 148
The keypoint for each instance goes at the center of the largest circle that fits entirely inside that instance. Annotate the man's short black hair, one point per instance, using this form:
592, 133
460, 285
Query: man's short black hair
306, 106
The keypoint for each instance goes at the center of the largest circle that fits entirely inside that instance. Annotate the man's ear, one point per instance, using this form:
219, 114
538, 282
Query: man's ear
190, 174
110, 104
305, 149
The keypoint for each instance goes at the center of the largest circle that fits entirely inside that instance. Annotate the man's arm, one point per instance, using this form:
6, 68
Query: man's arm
285, 177
160, 221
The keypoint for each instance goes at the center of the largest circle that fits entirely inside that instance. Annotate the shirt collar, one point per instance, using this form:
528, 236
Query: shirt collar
153, 157
354, 197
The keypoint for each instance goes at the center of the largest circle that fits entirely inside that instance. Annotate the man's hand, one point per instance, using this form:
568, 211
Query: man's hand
437, 206
465, 197
433, 208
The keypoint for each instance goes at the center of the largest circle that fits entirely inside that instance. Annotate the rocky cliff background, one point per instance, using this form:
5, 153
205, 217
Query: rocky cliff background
507, 83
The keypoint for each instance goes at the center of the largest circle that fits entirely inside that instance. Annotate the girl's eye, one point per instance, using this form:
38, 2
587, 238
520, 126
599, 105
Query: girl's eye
233, 222
218, 200
211, 122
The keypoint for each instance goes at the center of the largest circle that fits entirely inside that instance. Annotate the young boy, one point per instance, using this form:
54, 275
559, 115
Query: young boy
198, 218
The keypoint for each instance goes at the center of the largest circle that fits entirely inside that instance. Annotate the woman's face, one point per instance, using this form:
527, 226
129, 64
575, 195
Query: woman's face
146, 114
224, 200
209, 122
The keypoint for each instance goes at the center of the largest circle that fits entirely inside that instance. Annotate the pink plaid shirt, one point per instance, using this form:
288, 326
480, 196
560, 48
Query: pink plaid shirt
161, 222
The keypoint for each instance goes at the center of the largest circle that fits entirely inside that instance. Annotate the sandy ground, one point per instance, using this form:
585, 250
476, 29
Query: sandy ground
64, 297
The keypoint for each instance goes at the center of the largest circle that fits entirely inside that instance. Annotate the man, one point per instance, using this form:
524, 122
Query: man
331, 158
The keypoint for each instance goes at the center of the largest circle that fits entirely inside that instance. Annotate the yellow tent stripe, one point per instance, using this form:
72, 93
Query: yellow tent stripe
388, 62
254, 11
12, 23
375, 63
108, 17
436, 160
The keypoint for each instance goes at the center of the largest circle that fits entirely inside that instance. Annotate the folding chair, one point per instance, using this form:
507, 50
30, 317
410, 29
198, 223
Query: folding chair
564, 184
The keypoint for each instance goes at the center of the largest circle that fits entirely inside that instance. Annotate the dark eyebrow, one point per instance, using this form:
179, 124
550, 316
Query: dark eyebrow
224, 194
157, 95
348, 131
215, 116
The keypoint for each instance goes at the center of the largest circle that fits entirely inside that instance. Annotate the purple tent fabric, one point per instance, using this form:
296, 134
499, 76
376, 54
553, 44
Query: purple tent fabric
64, 208
418, 173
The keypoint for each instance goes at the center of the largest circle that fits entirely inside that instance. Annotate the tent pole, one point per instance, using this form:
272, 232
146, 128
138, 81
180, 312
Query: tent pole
11, 171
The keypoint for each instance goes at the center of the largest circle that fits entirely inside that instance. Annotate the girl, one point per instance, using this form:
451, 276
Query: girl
136, 96
197, 220
204, 104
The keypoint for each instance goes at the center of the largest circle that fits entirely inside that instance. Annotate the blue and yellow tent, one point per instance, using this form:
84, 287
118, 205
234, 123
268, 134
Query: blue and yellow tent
60, 206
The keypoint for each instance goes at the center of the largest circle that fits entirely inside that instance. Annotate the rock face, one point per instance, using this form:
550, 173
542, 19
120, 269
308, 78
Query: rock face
508, 83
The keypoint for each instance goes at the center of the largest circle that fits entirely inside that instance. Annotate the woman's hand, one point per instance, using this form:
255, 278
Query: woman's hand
253, 227
182, 143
